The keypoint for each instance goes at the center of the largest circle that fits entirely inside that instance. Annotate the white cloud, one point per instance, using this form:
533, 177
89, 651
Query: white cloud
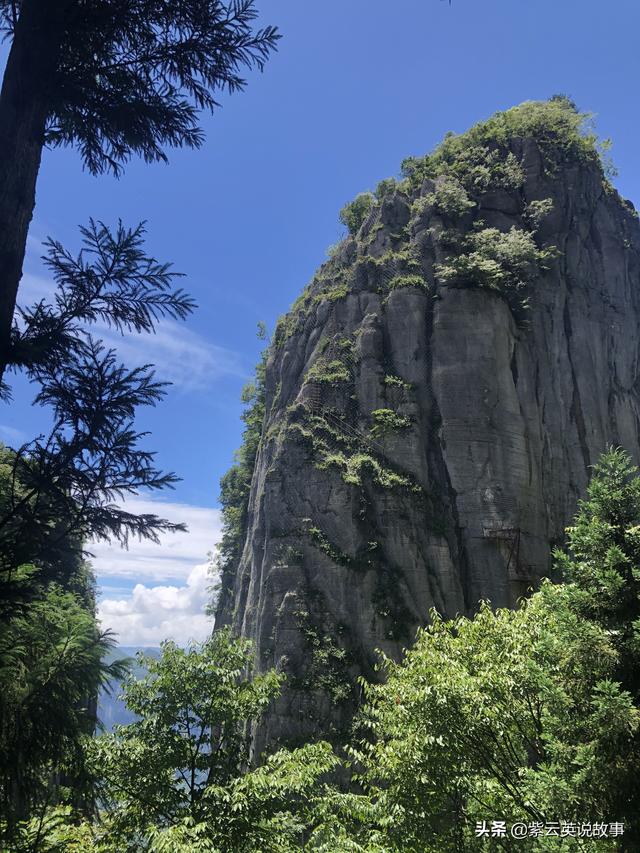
153, 614
176, 554
179, 354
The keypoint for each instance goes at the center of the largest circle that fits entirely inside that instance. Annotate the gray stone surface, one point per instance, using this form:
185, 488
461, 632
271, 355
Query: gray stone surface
505, 421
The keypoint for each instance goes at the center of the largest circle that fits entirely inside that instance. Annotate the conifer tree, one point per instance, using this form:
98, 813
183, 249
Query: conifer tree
113, 78
64, 487
51, 668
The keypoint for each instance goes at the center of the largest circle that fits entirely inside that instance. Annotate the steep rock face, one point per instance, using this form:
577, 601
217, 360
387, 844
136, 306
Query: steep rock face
433, 402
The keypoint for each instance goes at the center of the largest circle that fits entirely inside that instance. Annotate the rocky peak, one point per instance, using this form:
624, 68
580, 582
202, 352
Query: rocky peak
431, 404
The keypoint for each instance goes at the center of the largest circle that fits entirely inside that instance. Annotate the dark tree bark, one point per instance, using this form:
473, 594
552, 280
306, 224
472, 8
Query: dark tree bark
30, 70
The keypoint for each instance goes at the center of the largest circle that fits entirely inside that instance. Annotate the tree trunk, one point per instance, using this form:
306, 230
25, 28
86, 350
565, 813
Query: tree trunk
24, 108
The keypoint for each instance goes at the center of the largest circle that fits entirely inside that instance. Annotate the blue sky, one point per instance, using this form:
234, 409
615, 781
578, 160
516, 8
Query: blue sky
356, 86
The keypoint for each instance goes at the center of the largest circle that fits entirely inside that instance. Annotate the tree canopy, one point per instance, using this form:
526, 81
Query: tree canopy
177, 779
527, 716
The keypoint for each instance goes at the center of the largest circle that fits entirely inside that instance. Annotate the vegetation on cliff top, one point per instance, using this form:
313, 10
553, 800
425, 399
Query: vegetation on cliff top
557, 125
464, 166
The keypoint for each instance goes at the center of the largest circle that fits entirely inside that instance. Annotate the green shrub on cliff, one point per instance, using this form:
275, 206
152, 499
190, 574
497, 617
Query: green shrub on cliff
386, 421
505, 261
536, 210
354, 214
385, 187
328, 371
450, 198
235, 485
556, 125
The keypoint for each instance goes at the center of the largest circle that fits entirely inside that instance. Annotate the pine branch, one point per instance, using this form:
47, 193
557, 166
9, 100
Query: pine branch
134, 75
65, 487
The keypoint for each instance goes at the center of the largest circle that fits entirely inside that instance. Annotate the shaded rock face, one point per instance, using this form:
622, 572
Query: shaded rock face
427, 435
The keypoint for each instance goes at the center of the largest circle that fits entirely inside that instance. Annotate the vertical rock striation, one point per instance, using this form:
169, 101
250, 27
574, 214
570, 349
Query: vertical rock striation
432, 404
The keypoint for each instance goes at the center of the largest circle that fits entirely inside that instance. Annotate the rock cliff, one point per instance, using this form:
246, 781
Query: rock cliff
432, 403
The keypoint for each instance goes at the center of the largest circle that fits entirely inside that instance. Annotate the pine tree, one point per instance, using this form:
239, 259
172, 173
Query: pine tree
113, 79
602, 562
63, 487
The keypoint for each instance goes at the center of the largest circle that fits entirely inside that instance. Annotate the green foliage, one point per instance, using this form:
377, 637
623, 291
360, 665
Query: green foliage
478, 157
399, 281
328, 371
327, 666
64, 485
235, 485
495, 259
177, 779
387, 421
272, 807
188, 735
536, 211
532, 714
334, 249
338, 291
396, 381
143, 72
502, 261
64, 488
477, 168
354, 214
330, 283
450, 198
362, 464
50, 671
465, 167
511, 713
54, 830
356, 460
602, 563
608, 166
420, 204
603, 558
406, 259
321, 542
385, 187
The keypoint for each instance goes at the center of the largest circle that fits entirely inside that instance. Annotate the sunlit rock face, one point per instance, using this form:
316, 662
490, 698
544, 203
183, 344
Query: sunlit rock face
433, 403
